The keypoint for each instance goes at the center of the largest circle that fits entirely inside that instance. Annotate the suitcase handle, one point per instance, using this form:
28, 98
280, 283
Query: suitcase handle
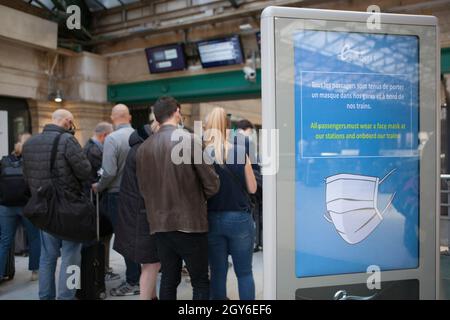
97, 212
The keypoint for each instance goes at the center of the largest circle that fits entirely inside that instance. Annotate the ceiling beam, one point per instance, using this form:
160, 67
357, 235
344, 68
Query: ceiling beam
27, 8
134, 5
240, 13
152, 17
101, 4
152, 21
43, 6
420, 6
58, 5
235, 3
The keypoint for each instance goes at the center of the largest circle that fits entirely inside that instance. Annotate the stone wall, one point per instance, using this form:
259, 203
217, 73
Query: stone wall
82, 78
249, 109
86, 116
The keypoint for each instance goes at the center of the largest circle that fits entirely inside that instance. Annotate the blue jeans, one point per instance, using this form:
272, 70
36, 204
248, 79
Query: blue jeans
51, 249
231, 233
9, 217
133, 269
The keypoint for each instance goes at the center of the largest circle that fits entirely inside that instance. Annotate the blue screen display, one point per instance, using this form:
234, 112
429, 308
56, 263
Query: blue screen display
357, 152
220, 52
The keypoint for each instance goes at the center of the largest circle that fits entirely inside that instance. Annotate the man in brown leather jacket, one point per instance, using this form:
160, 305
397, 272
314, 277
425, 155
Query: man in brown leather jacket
175, 199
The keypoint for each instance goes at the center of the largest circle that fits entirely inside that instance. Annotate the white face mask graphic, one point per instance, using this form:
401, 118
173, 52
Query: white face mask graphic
352, 205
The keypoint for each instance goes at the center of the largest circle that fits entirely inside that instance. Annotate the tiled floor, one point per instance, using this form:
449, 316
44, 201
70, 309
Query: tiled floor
445, 277
21, 288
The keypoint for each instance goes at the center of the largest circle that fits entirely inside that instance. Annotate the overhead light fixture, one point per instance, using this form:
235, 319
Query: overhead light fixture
246, 26
58, 97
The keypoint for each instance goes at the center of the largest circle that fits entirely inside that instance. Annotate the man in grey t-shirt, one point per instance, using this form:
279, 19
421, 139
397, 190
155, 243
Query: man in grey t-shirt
115, 152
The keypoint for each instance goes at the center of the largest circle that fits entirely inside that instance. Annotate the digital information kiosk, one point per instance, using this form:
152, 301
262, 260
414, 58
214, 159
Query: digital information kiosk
356, 192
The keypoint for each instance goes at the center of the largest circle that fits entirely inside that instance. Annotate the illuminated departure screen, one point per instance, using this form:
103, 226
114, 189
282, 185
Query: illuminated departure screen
220, 52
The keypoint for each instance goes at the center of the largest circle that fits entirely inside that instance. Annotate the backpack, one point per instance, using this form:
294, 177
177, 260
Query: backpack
13, 188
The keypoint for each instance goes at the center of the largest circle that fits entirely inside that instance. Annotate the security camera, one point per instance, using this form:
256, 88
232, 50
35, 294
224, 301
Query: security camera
250, 73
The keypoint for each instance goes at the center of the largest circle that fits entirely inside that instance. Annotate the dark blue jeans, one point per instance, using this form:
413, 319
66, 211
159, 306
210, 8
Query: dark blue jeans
9, 217
231, 233
133, 272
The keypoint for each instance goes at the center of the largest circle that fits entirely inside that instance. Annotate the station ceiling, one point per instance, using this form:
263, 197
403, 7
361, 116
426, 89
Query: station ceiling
100, 5
94, 5
107, 21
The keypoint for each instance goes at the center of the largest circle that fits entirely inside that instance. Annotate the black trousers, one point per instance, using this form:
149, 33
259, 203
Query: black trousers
257, 216
173, 248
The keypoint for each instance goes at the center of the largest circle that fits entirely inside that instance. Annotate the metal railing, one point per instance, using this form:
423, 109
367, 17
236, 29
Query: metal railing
445, 219
446, 177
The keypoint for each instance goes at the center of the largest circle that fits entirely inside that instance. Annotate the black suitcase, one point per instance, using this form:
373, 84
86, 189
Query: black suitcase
21, 241
93, 268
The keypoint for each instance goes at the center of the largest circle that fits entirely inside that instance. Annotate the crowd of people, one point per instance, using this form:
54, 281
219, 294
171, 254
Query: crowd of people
163, 213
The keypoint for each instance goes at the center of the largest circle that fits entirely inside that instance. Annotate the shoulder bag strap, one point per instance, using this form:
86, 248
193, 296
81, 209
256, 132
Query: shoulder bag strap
54, 153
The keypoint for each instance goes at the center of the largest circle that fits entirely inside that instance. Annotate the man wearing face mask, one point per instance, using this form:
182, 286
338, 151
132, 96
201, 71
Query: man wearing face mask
115, 152
175, 199
94, 152
94, 148
72, 171
244, 138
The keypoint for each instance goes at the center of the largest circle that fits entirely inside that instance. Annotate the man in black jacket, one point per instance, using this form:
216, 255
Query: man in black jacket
72, 169
94, 152
94, 149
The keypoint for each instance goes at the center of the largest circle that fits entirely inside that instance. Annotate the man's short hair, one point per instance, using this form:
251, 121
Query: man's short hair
103, 127
164, 108
244, 125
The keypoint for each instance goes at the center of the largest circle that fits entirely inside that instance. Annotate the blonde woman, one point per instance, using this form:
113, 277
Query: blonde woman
231, 225
13, 196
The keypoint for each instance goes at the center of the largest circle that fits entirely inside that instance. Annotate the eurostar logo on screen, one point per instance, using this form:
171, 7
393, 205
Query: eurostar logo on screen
348, 54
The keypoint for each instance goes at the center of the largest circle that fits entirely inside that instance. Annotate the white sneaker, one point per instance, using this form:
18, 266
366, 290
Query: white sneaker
110, 276
125, 289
